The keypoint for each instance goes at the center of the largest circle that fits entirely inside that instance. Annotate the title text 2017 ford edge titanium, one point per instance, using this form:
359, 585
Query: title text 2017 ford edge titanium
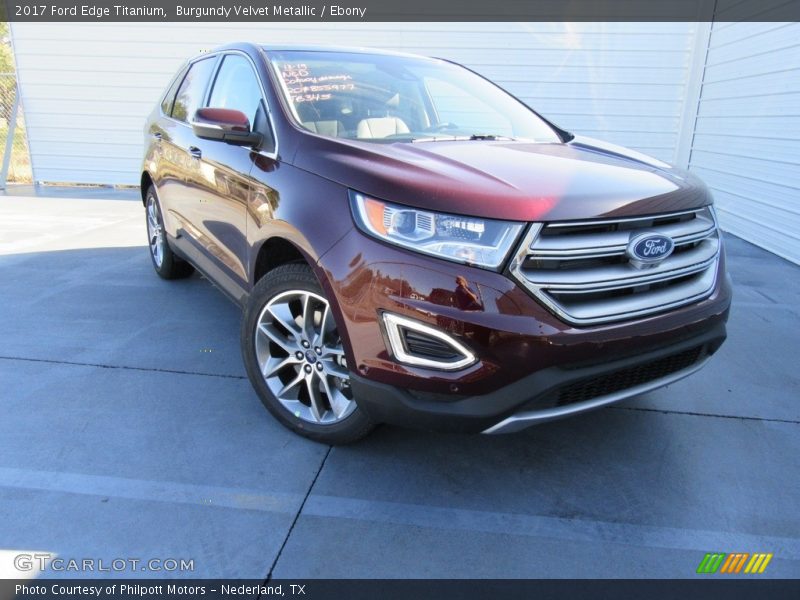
413, 245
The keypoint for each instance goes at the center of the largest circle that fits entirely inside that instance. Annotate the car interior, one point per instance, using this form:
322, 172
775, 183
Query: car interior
352, 117
373, 110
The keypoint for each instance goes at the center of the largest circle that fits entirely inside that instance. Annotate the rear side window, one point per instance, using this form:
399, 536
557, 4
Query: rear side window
169, 97
236, 87
192, 89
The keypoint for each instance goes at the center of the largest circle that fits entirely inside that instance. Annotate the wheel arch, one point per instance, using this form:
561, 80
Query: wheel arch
280, 249
276, 251
144, 184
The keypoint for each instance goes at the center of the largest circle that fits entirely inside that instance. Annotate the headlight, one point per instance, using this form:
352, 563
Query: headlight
470, 240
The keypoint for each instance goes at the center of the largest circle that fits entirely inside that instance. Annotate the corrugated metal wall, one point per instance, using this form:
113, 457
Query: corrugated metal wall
746, 144
87, 87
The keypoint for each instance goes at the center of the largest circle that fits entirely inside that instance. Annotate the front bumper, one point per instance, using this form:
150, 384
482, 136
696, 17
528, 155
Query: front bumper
531, 366
545, 395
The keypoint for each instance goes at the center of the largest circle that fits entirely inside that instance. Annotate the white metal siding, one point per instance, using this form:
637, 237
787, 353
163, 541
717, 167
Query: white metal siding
88, 87
746, 144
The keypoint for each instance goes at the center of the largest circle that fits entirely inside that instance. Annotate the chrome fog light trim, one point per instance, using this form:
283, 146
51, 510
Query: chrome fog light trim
394, 325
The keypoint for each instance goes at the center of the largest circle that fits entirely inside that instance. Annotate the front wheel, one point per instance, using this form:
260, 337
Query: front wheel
295, 359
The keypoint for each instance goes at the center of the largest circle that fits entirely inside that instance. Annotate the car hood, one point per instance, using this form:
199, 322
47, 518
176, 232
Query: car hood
514, 180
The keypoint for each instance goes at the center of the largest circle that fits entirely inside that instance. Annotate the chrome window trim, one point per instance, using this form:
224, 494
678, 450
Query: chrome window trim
209, 125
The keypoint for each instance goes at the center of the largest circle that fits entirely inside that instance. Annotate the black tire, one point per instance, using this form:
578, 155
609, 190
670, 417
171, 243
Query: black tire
165, 262
290, 283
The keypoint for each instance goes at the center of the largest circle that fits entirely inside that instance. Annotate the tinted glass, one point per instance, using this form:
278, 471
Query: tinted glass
236, 87
169, 98
385, 98
456, 106
190, 94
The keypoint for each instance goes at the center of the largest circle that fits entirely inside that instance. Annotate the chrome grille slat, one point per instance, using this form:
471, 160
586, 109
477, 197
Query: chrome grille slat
586, 278
591, 277
631, 306
616, 241
594, 222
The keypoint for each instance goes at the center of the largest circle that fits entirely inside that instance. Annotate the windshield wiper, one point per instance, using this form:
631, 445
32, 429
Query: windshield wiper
465, 138
490, 136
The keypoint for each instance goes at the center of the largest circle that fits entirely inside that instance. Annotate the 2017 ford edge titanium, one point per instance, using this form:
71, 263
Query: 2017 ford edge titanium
413, 245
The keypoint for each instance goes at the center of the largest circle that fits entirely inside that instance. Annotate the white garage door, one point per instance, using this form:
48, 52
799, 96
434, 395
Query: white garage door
747, 136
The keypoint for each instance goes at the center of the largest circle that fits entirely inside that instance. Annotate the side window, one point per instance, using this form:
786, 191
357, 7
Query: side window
190, 93
169, 97
236, 87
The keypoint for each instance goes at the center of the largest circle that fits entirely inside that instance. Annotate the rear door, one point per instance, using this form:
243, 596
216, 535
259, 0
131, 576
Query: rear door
159, 159
177, 192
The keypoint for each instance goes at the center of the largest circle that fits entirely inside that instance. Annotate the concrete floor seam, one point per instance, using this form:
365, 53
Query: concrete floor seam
123, 367
242, 377
296, 517
699, 414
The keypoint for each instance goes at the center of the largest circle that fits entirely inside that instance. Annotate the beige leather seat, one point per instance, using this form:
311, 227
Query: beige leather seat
380, 127
329, 128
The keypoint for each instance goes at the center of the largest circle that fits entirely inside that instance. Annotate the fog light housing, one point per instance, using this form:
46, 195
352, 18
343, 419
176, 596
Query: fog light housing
420, 345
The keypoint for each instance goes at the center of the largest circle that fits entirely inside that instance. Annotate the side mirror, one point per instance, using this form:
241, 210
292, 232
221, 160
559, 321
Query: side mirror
225, 125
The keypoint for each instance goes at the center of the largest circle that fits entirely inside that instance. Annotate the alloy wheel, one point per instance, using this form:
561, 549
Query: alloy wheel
155, 231
301, 357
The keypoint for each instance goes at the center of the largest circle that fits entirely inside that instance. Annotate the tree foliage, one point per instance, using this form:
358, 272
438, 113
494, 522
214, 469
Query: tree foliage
6, 67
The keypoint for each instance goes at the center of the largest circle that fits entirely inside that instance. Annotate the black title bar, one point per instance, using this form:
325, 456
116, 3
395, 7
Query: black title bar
400, 10
706, 587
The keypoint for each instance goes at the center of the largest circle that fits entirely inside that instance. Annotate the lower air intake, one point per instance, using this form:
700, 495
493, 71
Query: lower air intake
627, 378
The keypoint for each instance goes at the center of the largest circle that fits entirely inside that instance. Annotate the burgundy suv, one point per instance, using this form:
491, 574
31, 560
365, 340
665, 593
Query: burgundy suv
413, 245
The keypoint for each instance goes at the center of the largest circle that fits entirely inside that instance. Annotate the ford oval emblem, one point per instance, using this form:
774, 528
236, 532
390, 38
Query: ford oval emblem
649, 249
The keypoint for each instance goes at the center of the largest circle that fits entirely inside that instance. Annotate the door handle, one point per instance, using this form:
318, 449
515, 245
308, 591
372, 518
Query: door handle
195, 152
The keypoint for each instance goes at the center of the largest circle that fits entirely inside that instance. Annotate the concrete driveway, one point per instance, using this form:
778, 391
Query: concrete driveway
128, 430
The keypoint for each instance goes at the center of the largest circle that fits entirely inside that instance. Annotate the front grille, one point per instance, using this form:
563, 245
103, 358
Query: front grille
624, 379
580, 269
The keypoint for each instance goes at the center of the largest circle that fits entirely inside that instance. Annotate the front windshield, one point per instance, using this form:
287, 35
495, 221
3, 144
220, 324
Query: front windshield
385, 98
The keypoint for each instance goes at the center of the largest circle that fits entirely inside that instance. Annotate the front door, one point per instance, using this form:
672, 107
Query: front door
220, 179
